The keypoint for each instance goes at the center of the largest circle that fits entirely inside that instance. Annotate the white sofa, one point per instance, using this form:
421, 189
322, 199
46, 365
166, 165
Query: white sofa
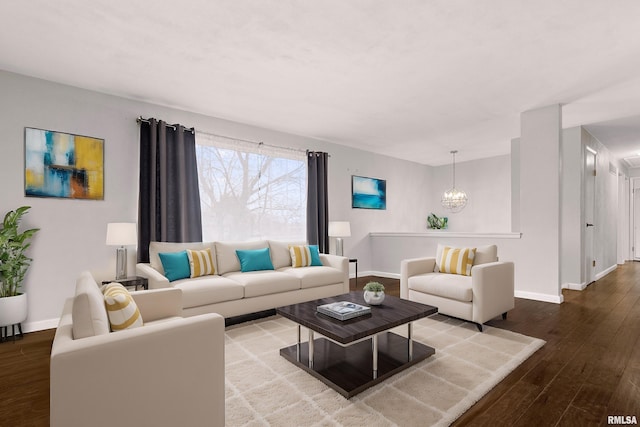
168, 372
487, 293
231, 292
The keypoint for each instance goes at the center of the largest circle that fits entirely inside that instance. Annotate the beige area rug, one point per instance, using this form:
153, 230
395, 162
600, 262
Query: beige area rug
262, 388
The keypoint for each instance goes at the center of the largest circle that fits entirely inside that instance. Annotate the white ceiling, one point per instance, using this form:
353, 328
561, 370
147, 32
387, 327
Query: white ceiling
412, 79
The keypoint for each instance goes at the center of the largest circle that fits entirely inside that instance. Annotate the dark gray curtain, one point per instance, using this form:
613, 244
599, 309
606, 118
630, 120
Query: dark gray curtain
317, 201
169, 198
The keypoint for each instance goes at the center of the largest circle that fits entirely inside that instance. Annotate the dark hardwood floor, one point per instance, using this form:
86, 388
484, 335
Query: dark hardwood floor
589, 368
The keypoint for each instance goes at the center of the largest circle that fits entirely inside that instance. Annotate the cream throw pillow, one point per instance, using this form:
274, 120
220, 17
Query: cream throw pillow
457, 260
201, 262
122, 310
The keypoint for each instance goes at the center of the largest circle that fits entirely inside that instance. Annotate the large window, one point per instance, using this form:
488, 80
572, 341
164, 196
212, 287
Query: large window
250, 191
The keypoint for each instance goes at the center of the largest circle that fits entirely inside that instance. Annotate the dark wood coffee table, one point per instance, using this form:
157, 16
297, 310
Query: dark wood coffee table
353, 355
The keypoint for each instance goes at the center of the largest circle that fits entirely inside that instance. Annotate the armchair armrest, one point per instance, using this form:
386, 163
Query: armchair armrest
155, 278
143, 372
493, 290
158, 303
413, 267
339, 262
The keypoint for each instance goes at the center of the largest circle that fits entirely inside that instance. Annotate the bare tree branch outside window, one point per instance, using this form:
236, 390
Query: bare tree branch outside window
251, 195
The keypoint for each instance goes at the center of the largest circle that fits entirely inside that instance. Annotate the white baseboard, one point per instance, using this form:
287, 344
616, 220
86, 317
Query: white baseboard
605, 272
556, 299
40, 325
382, 274
575, 286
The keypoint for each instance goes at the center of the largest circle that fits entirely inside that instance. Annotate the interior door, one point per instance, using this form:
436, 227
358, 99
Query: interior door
636, 219
589, 214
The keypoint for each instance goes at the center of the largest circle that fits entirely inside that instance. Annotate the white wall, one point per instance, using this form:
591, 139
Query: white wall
572, 216
606, 214
72, 236
539, 167
487, 183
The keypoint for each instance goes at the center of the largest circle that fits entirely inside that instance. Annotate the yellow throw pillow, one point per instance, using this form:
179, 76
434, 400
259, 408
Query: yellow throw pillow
457, 260
201, 262
122, 310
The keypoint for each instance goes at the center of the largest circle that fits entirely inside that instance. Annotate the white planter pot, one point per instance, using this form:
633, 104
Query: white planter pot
13, 310
373, 298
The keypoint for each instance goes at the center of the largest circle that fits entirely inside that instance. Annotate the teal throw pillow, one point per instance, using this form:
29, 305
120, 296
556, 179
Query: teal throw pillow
315, 256
176, 265
254, 260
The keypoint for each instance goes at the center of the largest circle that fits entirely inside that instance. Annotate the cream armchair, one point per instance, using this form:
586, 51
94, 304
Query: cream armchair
487, 293
169, 372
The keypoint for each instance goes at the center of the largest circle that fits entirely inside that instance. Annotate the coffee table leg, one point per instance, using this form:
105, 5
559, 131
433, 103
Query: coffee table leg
310, 349
298, 346
374, 350
410, 339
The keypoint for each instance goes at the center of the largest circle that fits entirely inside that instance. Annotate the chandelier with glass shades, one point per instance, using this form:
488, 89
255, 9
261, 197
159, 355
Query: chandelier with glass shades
454, 200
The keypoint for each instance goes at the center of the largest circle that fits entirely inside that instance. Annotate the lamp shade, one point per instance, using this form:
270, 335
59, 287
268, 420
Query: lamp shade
339, 229
122, 234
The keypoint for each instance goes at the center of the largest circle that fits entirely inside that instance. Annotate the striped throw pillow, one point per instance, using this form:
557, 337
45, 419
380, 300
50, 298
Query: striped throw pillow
457, 260
122, 310
201, 262
305, 256
300, 256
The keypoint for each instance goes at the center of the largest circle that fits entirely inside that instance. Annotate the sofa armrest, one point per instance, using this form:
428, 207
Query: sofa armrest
155, 278
138, 371
339, 262
413, 267
493, 290
158, 304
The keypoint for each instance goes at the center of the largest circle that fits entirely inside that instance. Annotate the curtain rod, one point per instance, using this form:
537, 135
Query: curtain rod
259, 143
193, 130
140, 119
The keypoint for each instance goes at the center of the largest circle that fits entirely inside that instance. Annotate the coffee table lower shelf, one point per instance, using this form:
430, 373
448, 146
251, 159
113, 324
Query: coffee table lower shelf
349, 370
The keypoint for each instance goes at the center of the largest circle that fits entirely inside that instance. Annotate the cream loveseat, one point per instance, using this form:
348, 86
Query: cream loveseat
231, 292
487, 293
168, 372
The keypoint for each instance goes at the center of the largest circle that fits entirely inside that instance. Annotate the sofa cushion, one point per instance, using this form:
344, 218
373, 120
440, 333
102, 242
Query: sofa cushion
254, 260
304, 256
205, 290
200, 262
452, 286
485, 254
257, 283
175, 265
280, 255
122, 310
156, 247
226, 258
311, 277
457, 260
89, 315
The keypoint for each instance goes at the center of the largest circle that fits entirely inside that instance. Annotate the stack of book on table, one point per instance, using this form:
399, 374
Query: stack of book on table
343, 310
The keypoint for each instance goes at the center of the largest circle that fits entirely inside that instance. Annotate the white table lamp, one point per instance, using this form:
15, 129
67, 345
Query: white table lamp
121, 234
339, 229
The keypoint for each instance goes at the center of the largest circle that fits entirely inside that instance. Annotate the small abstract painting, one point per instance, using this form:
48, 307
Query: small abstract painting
368, 193
63, 165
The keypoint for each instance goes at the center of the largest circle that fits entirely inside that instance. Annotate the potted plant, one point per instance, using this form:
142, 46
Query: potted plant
13, 267
374, 293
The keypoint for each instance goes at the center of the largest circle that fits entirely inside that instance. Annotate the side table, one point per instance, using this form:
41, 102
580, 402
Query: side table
127, 282
356, 261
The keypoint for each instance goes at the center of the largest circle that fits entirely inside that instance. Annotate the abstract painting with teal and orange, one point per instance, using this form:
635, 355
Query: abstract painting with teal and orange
60, 164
